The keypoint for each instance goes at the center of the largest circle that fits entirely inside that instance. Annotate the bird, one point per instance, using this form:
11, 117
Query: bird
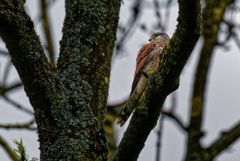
147, 63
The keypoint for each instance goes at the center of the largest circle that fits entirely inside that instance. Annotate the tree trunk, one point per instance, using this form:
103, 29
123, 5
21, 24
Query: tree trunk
69, 101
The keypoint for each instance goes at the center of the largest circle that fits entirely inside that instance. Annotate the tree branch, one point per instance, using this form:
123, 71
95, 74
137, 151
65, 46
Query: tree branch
128, 30
38, 78
4, 90
17, 31
83, 47
26, 125
47, 30
159, 138
6, 71
8, 149
213, 16
163, 82
223, 142
4, 53
82, 77
111, 113
14, 86
17, 105
175, 118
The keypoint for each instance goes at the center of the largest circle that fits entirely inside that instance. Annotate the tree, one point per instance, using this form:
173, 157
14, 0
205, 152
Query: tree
69, 97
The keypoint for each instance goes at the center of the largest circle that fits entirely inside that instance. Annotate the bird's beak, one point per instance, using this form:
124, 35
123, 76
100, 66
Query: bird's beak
149, 39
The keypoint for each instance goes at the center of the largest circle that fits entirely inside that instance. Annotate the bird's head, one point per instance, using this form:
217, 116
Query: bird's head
159, 36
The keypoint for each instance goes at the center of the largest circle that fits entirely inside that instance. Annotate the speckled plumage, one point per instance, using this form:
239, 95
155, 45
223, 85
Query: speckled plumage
148, 60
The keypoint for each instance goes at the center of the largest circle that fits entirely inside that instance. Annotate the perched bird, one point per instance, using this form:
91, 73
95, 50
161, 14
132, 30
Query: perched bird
148, 60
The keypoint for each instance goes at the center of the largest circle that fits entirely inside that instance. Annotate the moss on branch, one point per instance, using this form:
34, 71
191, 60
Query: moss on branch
164, 81
69, 102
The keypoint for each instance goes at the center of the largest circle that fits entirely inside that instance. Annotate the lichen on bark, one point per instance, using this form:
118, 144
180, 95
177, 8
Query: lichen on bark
69, 101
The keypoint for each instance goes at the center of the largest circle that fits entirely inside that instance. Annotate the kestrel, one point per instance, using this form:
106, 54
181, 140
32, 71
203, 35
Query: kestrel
148, 60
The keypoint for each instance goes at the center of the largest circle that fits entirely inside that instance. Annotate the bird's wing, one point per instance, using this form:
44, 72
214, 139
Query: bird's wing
143, 55
133, 100
141, 60
139, 83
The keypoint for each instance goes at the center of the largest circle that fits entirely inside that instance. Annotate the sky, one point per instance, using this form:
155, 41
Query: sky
222, 97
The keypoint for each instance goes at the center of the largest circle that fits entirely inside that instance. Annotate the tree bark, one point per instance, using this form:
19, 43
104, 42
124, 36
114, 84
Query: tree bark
212, 17
69, 101
163, 82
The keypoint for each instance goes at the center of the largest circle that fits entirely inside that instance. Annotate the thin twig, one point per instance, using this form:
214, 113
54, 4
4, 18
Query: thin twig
4, 89
174, 101
47, 31
175, 118
159, 137
169, 4
6, 72
158, 15
3, 52
26, 126
224, 141
236, 40
13, 86
17, 105
8, 149
50, 3
136, 10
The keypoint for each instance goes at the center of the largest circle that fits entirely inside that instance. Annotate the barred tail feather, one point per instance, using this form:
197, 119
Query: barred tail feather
125, 113
133, 101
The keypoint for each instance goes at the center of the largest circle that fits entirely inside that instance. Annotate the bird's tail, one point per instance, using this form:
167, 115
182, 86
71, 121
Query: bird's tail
125, 113
133, 101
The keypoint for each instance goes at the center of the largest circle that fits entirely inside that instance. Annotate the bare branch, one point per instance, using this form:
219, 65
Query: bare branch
4, 89
176, 119
211, 26
6, 71
26, 126
13, 86
47, 30
236, 40
158, 15
223, 142
159, 137
17, 31
4, 53
17, 105
163, 82
51, 2
8, 149
128, 31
